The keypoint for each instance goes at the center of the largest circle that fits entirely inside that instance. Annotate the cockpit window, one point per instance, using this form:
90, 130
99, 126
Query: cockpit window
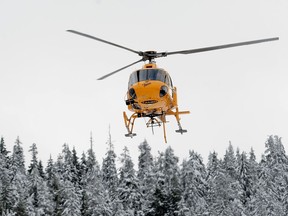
133, 78
149, 74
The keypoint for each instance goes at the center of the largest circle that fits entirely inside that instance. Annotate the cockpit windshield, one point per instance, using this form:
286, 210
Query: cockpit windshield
150, 74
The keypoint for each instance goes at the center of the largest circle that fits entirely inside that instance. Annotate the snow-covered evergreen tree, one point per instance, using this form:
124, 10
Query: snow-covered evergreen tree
94, 190
49, 171
224, 197
109, 172
55, 182
17, 160
229, 162
71, 199
271, 194
67, 173
5, 178
213, 169
3, 151
194, 185
129, 192
213, 165
83, 182
167, 194
146, 175
39, 194
19, 181
70, 191
41, 169
75, 169
34, 161
246, 178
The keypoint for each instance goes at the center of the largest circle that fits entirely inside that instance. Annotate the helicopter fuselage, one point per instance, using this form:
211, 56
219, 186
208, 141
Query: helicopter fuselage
150, 92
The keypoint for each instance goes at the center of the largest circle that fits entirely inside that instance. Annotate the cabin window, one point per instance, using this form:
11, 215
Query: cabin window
152, 74
149, 74
134, 77
168, 80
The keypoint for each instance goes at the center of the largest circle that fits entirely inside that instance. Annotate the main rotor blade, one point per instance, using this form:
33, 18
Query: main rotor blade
107, 75
205, 49
104, 41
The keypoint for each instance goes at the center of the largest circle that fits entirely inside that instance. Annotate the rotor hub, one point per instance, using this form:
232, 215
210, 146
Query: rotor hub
150, 55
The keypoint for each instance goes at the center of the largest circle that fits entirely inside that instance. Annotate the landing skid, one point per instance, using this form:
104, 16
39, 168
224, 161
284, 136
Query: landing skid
129, 122
176, 114
181, 131
131, 135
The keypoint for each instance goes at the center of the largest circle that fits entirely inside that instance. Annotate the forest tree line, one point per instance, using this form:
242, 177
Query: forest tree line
73, 185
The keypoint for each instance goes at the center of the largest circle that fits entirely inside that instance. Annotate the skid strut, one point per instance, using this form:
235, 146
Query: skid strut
129, 124
177, 114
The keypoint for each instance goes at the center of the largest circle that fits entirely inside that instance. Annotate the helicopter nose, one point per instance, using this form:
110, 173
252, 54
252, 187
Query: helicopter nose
148, 92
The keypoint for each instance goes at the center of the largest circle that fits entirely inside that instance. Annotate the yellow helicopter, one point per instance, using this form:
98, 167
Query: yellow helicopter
150, 90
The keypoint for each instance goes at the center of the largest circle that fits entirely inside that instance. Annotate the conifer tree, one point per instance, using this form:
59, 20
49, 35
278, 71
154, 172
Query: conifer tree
75, 169
109, 171
224, 188
244, 171
41, 170
67, 163
145, 160
71, 199
167, 194
17, 160
93, 187
52, 183
34, 161
212, 166
229, 161
19, 182
83, 166
57, 185
3, 151
193, 178
5, 178
70, 191
159, 204
91, 157
146, 175
271, 194
128, 190
34, 178
49, 172
255, 169
83, 183
213, 170
172, 179
254, 165
39, 195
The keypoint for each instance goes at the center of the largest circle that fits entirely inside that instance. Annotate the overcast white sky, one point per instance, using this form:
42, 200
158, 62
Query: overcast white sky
49, 93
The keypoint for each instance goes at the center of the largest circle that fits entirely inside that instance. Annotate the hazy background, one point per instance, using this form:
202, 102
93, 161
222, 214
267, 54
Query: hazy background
49, 93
